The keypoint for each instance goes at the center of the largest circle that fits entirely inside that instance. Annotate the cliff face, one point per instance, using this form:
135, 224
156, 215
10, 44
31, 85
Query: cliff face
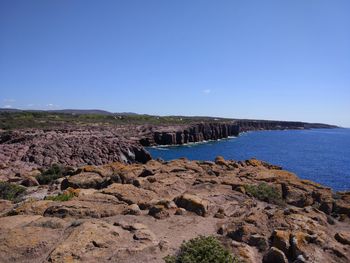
218, 130
196, 133
252, 125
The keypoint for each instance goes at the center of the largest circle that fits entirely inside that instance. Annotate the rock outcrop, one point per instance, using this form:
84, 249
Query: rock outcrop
197, 132
23, 151
121, 212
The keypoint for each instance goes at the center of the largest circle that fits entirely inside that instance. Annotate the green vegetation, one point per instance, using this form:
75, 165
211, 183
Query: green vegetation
202, 250
61, 197
265, 192
10, 191
47, 119
53, 173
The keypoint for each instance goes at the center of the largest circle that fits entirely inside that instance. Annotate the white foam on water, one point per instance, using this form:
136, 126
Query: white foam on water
191, 144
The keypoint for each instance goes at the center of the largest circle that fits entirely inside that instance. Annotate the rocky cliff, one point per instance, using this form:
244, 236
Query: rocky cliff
193, 133
177, 135
253, 125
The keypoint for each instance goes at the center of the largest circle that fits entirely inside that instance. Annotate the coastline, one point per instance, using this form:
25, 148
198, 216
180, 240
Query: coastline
23, 150
231, 137
320, 155
174, 135
191, 143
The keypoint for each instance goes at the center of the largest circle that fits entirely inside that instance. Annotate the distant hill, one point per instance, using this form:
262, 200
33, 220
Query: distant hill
78, 112
9, 110
72, 111
127, 113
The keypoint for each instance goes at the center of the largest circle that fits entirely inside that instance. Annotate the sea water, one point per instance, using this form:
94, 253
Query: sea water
320, 155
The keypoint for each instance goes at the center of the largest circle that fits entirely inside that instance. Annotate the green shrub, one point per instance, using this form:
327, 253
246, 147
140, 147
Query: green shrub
10, 191
202, 250
265, 192
61, 197
53, 173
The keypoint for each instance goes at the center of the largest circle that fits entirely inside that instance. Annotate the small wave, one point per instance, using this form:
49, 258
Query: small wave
191, 144
162, 149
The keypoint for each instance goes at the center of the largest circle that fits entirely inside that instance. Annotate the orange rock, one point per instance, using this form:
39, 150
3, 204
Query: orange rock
280, 240
72, 191
219, 160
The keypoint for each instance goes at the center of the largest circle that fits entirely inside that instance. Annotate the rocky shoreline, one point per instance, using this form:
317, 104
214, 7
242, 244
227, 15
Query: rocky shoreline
23, 151
142, 212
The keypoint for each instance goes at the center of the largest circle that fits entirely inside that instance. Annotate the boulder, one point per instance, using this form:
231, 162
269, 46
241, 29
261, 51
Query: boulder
146, 172
241, 232
133, 209
84, 180
258, 241
342, 207
298, 243
192, 203
280, 240
219, 160
30, 181
144, 235
274, 255
180, 211
158, 212
343, 237
324, 197
296, 196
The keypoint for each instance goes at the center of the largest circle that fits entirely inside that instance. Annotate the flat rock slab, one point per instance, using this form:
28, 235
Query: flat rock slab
97, 241
131, 194
84, 209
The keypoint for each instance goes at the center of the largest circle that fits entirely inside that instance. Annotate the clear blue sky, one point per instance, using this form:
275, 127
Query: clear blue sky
287, 60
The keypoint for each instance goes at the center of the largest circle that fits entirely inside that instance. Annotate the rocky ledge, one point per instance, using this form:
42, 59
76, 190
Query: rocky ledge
143, 212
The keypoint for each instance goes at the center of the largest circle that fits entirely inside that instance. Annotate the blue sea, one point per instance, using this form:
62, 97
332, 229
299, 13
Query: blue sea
320, 155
